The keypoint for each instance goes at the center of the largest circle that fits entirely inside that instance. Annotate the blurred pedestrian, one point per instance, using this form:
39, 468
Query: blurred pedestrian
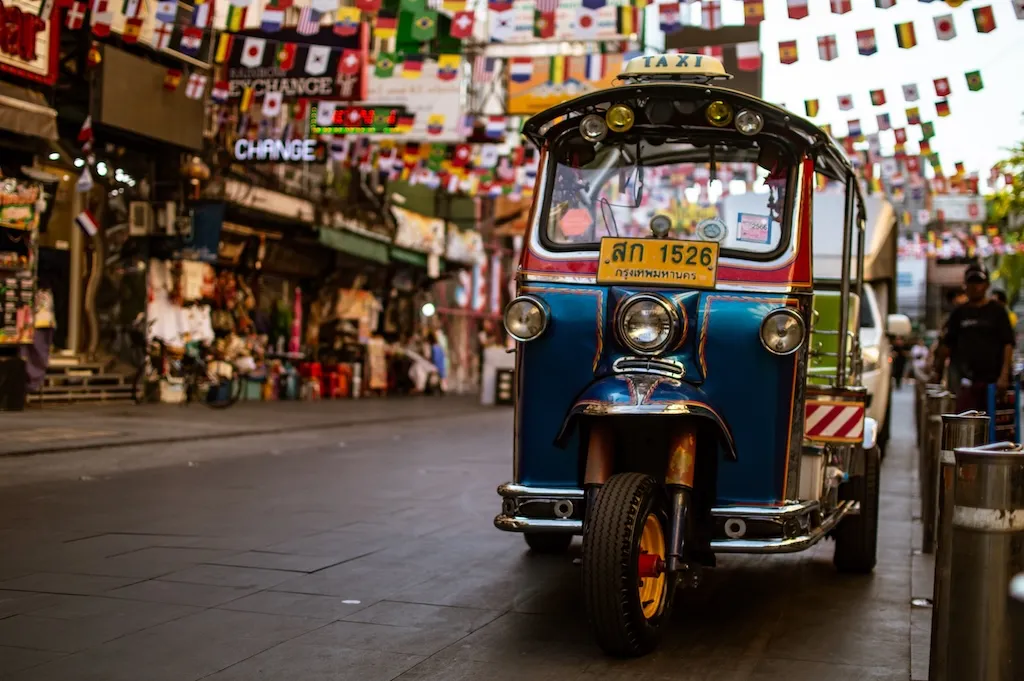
899, 360
919, 360
440, 360
979, 343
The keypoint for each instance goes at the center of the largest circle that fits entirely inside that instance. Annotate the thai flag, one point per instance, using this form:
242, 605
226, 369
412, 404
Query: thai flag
521, 69
87, 223
309, 22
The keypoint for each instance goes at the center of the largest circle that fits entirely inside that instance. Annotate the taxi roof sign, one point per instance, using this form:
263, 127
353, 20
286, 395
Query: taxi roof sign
695, 67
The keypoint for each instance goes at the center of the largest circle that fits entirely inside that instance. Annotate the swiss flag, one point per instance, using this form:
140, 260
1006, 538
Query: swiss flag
350, 62
462, 25
463, 152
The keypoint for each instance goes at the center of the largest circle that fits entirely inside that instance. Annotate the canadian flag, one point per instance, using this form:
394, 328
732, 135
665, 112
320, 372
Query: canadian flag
748, 56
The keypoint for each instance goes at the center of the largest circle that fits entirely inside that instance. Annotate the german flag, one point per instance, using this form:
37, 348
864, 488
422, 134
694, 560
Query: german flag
224, 44
974, 81
925, 147
942, 107
905, 36
811, 107
386, 25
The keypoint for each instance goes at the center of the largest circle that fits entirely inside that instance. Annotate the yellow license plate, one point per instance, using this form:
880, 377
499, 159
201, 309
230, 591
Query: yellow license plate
658, 262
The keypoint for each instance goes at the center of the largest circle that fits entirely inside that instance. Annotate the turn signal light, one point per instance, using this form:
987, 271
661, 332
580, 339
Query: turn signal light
718, 113
619, 118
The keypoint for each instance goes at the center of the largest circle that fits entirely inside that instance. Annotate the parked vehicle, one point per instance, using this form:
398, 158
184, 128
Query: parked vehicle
683, 389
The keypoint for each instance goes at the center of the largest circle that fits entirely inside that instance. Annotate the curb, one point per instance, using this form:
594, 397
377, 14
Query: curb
59, 449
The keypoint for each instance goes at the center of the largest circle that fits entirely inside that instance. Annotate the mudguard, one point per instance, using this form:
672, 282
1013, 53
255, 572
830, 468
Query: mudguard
644, 394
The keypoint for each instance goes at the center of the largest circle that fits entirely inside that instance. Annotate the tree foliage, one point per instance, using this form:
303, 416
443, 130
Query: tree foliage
1007, 205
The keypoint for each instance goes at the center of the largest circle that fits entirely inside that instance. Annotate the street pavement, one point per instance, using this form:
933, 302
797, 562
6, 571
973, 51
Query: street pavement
366, 552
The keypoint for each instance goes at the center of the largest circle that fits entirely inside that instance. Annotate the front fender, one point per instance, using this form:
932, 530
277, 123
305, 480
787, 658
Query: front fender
644, 394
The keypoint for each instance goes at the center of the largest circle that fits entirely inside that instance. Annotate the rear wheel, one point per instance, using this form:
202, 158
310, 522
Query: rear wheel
857, 535
628, 595
548, 542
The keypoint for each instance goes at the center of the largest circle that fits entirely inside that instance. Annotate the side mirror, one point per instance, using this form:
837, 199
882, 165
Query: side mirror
899, 325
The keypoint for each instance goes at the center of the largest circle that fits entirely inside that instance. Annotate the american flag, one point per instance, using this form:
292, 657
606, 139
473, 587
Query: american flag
309, 21
547, 6
483, 69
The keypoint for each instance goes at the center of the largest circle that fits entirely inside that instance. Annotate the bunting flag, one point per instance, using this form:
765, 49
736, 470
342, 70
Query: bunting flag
556, 73
386, 26
913, 116
927, 130
866, 44
132, 30
596, 64
76, 16
246, 101
236, 18
309, 21
787, 52
941, 87
412, 66
385, 66
669, 19
449, 66
811, 107
884, 4
462, 25
520, 69
900, 135
196, 86
797, 9
544, 24
368, 6
878, 97
984, 19
924, 147
748, 56
272, 19
629, 21
840, 6
853, 126
285, 57
905, 36
827, 129
942, 107
172, 78
253, 50
910, 92
974, 81
221, 91
753, 12
827, 49
191, 41
1018, 9
424, 26
200, 15
883, 121
845, 102
945, 29
225, 41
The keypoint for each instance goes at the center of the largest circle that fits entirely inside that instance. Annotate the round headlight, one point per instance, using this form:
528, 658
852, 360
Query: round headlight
718, 113
782, 331
619, 118
647, 324
526, 318
749, 122
593, 128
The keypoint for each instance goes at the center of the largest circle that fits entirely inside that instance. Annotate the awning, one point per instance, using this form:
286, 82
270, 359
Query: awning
25, 112
355, 244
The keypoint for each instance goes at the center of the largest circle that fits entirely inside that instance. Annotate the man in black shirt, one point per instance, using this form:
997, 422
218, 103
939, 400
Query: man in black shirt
979, 343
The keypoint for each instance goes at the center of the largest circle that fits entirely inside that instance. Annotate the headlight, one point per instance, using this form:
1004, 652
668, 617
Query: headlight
870, 356
647, 324
526, 318
782, 331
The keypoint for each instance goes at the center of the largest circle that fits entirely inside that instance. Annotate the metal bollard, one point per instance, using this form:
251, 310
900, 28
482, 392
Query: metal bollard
1017, 624
937, 403
969, 429
988, 532
922, 433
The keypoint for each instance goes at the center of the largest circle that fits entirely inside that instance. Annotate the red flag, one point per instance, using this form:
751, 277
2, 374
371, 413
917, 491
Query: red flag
368, 5
350, 62
942, 87
462, 25
463, 152
901, 135
913, 165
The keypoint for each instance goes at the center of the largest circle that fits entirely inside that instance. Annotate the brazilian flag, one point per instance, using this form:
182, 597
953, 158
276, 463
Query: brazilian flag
928, 130
385, 67
974, 81
424, 26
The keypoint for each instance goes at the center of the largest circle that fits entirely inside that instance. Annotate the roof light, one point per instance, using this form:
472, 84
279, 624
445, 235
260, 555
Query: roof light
593, 128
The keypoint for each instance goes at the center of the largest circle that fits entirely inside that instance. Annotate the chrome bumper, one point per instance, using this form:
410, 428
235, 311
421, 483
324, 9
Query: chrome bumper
738, 529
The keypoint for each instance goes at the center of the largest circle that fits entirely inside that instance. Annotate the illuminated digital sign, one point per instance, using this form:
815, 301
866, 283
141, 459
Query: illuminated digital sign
276, 150
335, 118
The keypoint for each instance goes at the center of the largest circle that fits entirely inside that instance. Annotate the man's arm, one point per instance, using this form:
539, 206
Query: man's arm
1006, 334
947, 340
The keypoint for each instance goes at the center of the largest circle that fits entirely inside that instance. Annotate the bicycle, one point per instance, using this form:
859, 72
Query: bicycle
213, 382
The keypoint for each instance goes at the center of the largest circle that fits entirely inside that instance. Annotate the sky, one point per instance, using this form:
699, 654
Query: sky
980, 125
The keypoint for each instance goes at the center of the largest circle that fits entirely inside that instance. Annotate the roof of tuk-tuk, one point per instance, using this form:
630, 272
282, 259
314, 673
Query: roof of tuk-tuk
826, 151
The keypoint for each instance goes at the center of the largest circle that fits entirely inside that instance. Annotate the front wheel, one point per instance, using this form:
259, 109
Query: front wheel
857, 535
628, 595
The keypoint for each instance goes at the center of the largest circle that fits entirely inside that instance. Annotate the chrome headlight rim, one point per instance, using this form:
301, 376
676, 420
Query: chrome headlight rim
792, 314
666, 305
545, 317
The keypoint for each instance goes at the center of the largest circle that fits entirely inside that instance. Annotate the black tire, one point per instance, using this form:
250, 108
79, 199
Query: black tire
857, 535
611, 548
548, 542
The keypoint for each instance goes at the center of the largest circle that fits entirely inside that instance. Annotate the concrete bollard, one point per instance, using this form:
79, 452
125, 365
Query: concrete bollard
937, 403
969, 429
1016, 605
988, 531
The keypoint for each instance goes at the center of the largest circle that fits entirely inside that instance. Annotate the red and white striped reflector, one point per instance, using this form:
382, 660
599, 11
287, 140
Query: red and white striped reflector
834, 421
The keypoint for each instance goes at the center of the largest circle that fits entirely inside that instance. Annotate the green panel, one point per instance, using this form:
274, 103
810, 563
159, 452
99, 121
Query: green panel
409, 257
824, 336
355, 244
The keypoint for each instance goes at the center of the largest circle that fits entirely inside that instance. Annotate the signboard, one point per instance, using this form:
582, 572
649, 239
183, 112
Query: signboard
28, 44
335, 118
276, 150
549, 81
953, 208
418, 232
436, 103
307, 68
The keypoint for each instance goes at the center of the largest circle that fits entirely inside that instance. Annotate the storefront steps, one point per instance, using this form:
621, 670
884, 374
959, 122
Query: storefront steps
73, 380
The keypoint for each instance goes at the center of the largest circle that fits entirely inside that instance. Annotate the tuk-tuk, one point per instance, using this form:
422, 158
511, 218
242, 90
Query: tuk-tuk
682, 390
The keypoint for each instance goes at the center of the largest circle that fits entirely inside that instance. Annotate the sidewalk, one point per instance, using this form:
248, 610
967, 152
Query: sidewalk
44, 431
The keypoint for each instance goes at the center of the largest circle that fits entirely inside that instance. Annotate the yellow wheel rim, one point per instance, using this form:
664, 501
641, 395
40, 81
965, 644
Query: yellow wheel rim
652, 589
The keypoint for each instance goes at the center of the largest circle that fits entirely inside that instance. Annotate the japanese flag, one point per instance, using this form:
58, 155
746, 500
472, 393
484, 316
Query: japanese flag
272, 104
252, 52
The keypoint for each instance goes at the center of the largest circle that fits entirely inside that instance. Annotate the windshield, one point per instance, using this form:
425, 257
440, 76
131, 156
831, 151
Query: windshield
732, 192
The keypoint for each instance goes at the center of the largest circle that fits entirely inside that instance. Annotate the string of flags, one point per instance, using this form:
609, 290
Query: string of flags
910, 93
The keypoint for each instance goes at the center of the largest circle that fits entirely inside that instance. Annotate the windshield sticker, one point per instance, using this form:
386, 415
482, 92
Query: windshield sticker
754, 228
711, 229
575, 222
